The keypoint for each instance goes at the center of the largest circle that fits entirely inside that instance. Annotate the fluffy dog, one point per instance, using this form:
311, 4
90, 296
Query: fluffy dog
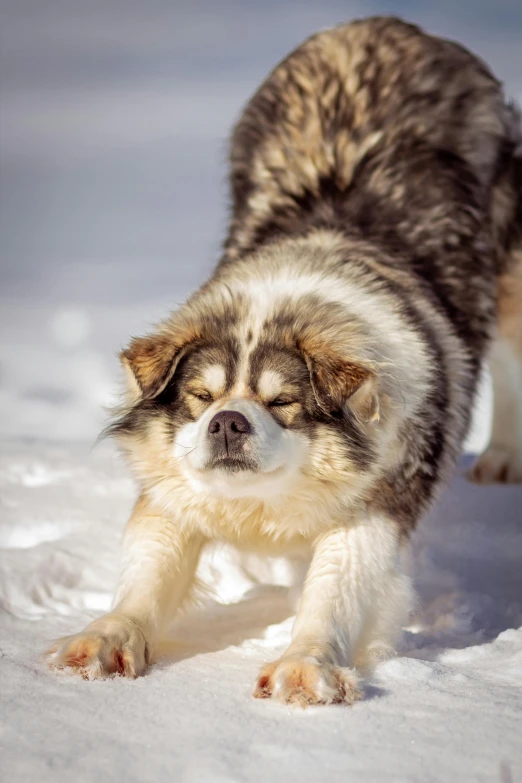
314, 394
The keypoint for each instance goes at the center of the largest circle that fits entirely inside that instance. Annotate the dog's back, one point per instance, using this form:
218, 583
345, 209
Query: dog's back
383, 132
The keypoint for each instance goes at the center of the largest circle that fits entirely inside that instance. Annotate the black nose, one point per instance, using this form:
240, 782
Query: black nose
230, 427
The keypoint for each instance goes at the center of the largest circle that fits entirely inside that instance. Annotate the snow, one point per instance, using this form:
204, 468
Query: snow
111, 130
447, 708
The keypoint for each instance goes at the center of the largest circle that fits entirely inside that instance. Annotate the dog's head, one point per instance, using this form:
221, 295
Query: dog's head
242, 406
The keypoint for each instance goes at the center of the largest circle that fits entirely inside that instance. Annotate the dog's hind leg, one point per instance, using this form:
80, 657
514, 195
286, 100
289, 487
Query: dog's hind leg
502, 460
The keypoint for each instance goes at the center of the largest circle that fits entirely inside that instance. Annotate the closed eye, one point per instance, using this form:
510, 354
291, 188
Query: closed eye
279, 402
202, 395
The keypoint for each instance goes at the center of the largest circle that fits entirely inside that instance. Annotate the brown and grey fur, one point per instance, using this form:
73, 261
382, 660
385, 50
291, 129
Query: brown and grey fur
374, 252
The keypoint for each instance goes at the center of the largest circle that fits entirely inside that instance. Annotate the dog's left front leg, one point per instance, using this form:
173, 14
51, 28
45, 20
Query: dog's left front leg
354, 600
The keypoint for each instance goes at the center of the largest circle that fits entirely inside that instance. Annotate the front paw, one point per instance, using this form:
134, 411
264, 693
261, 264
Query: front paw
304, 681
108, 647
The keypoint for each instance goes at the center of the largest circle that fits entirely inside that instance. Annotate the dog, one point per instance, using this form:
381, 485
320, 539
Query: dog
313, 396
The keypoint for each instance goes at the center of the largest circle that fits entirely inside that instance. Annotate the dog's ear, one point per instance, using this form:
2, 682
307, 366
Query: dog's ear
337, 382
150, 362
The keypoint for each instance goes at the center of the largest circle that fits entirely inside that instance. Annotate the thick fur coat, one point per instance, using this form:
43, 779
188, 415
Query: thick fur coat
313, 396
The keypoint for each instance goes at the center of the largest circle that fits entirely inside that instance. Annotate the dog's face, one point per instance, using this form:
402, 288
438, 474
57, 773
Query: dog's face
241, 431
244, 415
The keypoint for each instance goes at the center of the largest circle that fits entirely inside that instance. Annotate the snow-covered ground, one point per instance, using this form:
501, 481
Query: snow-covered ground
112, 123
449, 707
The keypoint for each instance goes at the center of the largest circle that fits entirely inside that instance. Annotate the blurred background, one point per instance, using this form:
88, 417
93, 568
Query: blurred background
114, 117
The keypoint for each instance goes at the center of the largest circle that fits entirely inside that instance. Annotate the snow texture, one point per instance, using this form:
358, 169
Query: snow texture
449, 707
112, 126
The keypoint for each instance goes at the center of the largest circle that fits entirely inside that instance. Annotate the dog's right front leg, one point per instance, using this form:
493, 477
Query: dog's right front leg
159, 565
